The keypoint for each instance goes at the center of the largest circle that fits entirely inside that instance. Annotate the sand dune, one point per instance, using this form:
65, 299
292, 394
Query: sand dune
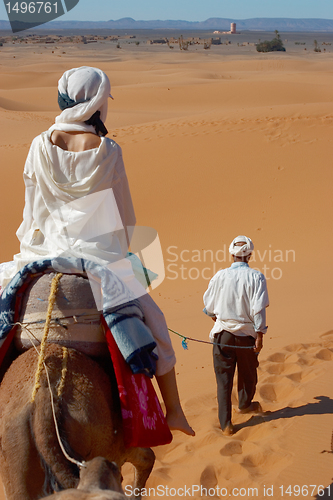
9, 80
13, 100
215, 147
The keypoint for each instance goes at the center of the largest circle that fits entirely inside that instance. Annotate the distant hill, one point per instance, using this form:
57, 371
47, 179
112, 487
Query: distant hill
214, 23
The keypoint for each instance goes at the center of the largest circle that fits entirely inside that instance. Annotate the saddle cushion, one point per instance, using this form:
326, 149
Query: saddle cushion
75, 320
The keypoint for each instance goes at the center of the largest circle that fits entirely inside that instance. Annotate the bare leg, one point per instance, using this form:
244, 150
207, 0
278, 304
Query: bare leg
174, 413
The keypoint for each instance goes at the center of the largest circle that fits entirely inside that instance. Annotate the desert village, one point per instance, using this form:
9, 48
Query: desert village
87, 39
178, 39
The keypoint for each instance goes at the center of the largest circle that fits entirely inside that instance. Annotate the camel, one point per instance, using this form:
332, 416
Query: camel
87, 412
99, 480
87, 409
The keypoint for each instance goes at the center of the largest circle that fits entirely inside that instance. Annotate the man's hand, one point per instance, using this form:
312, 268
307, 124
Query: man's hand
259, 342
213, 318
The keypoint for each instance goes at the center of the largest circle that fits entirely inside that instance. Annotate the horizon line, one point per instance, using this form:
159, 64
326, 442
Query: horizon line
185, 20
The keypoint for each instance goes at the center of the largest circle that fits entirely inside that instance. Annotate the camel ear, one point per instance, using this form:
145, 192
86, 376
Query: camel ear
120, 476
111, 477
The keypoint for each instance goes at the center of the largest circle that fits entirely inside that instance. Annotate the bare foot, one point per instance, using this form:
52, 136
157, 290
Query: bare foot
174, 413
177, 422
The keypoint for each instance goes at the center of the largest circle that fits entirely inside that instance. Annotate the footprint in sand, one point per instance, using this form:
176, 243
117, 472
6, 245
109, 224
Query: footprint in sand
297, 361
325, 354
296, 377
208, 478
280, 390
264, 459
275, 369
282, 372
268, 393
232, 448
277, 357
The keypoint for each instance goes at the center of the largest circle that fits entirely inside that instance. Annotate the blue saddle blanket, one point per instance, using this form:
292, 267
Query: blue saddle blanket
122, 313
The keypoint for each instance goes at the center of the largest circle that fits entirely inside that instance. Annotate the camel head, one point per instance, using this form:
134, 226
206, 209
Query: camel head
100, 474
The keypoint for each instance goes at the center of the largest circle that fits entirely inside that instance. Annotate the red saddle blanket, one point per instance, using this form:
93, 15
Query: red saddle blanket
144, 422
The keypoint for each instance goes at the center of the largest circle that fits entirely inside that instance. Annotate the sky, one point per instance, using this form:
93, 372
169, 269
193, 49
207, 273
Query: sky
193, 10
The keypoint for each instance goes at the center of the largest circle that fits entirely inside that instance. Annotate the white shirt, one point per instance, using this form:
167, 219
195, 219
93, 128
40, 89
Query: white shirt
237, 296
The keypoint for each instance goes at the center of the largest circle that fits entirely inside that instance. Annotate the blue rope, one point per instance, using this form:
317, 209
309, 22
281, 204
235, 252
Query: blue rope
185, 339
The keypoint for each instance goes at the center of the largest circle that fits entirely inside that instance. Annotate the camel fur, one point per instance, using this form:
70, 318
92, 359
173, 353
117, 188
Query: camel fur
88, 414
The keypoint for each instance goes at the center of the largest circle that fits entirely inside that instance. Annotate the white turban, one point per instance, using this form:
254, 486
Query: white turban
90, 88
241, 251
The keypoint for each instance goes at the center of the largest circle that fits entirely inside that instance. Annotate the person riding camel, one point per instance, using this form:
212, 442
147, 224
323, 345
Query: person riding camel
78, 203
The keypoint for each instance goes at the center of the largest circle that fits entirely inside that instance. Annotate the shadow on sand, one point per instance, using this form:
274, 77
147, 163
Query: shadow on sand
324, 406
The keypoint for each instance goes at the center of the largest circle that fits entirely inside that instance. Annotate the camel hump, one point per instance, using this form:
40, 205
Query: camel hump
75, 321
79, 370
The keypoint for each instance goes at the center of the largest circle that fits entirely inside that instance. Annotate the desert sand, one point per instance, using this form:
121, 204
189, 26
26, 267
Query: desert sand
215, 146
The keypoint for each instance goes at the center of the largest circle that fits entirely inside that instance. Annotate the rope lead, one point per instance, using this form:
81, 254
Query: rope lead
185, 345
52, 298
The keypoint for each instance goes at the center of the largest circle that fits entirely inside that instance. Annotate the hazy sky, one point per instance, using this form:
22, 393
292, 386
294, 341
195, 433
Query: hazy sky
194, 10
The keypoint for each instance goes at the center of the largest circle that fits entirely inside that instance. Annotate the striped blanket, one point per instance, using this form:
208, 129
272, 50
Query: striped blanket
122, 314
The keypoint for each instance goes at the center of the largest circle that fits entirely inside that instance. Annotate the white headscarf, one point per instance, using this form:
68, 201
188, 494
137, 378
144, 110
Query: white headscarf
90, 87
241, 251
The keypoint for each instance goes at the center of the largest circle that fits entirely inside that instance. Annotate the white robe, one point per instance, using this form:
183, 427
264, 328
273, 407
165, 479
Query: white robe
79, 203
76, 202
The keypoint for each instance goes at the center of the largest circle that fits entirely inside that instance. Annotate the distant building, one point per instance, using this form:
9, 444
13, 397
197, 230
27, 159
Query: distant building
231, 32
216, 41
158, 41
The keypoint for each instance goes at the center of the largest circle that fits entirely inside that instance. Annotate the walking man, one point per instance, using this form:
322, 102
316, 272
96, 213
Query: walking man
236, 300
